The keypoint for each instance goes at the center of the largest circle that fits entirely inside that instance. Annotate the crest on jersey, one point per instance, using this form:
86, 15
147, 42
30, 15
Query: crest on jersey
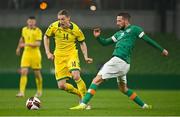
128, 30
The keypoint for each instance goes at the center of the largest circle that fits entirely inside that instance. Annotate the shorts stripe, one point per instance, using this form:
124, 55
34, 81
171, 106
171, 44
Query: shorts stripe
66, 77
75, 69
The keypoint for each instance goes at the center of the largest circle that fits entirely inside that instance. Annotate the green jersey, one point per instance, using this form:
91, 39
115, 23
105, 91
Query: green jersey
125, 40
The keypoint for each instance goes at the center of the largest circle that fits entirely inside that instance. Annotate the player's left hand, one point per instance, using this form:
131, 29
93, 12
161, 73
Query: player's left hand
165, 52
88, 60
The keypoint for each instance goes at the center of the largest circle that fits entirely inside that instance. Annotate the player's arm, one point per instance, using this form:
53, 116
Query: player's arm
35, 44
154, 44
48, 33
47, 49
80, 38
20, 45
101, 40
85, 53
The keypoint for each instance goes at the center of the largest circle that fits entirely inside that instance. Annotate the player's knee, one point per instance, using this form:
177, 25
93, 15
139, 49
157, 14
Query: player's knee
62, 86
24, 72
76, 77
123, 89
97, 80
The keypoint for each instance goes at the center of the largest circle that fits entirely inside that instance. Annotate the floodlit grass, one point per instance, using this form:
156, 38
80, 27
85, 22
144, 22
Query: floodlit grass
105, 103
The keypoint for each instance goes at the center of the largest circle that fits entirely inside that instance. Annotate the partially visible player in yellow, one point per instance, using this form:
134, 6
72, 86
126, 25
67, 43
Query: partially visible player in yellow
66, 60
30, 40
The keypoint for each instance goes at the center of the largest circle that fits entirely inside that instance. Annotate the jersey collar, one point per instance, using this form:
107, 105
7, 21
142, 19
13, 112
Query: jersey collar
31, 28
71, 25
127, 27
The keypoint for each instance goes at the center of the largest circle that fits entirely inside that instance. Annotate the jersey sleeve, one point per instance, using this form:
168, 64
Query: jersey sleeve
114, 37
49, 31
22, 32
139, 32
152, 42
104, 41
80, 35
39, 35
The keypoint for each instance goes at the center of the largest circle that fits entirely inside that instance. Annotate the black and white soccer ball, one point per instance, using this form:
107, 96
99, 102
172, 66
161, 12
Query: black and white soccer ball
33, 103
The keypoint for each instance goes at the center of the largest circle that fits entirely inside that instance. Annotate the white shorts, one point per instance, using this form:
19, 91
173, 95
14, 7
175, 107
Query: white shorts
115, 68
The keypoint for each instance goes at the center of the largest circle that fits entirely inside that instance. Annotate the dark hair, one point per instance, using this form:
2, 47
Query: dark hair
32, 17
64, 12
125, 15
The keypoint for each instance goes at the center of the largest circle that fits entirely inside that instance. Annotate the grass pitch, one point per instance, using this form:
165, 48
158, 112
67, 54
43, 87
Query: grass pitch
105, 103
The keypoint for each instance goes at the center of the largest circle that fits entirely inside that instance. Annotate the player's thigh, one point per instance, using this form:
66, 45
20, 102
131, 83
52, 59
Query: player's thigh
25, 60
122, 80
61, 69
73, 62
36, 61
114, 68
122, 83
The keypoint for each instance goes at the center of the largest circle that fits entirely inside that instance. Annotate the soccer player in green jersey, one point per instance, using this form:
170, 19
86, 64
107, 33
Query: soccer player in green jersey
118, 66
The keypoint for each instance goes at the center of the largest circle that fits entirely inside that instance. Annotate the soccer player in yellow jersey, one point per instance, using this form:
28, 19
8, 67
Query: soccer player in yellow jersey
65, 56
30, 40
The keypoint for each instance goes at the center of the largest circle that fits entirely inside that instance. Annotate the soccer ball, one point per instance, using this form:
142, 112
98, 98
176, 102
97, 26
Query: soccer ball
33, 103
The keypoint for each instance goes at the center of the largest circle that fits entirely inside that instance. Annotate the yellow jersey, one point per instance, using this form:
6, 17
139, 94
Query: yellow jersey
31, 36
65, 39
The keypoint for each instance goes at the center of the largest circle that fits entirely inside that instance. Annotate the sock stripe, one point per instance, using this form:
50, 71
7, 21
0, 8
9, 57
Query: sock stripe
133, 96
91, 91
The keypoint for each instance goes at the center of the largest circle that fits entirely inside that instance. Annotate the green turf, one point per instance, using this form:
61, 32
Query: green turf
105, 103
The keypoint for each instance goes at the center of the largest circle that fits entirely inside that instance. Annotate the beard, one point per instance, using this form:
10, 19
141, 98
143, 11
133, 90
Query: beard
122, 28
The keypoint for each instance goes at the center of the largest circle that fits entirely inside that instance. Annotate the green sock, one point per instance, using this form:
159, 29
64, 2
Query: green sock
133, 96
91, 91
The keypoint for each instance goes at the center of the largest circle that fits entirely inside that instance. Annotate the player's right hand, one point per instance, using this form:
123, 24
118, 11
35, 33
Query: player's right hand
50, 56
88, 60
165, 52
97, 31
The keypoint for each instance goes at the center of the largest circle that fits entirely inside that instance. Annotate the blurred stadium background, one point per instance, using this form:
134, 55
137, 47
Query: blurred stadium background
149, 70
159, 18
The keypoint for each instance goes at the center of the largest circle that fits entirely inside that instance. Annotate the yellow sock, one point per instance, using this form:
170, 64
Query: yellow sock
23, 83
71, 89
81, 87
39, 84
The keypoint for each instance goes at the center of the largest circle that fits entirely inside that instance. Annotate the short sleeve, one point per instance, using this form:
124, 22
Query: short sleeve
39, 35
22, 32
80, 35
49, 31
